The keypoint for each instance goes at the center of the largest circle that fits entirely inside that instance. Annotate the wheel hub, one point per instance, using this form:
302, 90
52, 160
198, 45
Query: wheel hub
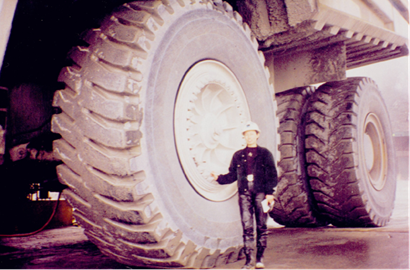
211, 130
210, 110
375, 151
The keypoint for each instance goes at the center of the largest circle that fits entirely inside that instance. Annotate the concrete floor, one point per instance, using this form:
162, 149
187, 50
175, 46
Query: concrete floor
290, 248
342, 248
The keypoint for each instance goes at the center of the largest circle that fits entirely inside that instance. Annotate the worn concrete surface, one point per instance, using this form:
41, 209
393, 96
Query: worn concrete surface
342, 248
294, 248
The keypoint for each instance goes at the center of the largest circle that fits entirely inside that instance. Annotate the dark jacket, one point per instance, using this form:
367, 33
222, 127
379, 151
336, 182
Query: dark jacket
265, 176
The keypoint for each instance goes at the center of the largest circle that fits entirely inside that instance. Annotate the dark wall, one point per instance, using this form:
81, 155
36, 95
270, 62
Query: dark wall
43, 32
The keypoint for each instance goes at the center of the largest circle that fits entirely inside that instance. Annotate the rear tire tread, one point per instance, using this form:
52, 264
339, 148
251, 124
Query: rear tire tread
293, 206
334, 156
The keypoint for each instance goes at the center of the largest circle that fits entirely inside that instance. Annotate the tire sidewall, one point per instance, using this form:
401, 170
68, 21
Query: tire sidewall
380, 201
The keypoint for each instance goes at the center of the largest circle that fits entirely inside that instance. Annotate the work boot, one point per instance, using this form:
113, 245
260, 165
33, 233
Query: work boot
250, 259
247, 266
260, 265
259, 258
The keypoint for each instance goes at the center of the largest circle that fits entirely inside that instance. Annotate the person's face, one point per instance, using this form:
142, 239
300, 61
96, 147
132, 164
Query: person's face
251, 137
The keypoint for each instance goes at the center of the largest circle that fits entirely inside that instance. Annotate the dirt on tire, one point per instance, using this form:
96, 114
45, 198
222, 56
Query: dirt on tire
293, 201
353, 185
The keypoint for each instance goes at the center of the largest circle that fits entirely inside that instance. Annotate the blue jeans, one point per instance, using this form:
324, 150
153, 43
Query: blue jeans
251, 208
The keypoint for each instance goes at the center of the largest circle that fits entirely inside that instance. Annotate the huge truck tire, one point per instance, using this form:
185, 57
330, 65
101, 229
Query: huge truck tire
350, 154
153, 105
293, 201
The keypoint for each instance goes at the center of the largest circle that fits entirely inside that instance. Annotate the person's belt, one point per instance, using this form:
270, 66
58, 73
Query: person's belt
249, 177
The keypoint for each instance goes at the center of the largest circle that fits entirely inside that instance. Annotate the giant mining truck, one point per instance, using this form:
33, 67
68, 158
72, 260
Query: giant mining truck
155, 94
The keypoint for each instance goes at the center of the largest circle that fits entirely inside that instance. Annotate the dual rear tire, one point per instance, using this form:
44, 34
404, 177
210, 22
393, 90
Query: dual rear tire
337, 156
350, 154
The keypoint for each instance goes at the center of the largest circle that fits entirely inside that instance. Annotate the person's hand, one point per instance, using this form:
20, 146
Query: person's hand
214, 175
271, 199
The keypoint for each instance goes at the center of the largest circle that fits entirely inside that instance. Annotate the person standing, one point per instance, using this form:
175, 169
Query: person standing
255, 172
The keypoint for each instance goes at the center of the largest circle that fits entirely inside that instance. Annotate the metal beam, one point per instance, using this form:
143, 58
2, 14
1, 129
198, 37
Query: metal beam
303, 68
402, 8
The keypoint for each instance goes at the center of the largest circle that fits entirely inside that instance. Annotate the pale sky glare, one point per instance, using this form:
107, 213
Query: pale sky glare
392, 77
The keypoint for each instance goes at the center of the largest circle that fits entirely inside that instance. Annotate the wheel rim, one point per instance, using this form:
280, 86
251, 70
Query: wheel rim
375, 151
210, 111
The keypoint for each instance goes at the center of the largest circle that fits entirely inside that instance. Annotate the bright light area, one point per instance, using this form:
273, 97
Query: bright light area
392, 78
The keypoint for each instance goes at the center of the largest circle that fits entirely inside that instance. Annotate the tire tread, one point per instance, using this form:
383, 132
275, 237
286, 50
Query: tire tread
332, 153
293, 206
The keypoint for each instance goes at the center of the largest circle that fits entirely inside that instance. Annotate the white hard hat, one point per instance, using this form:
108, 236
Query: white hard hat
251, 126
